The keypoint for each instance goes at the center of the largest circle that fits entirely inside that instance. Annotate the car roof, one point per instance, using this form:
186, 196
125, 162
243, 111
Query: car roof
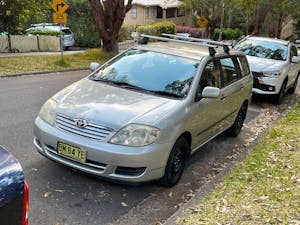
47, 28
279, 41
193, 51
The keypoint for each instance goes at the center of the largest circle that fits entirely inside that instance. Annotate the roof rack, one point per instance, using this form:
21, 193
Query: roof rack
211, 47
43, 24
217, 43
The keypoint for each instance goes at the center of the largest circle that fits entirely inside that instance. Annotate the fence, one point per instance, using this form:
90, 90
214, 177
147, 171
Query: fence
21, 43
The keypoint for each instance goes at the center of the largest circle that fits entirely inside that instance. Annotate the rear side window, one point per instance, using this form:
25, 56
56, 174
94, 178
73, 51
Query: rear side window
242, 60
228, 71
66, 31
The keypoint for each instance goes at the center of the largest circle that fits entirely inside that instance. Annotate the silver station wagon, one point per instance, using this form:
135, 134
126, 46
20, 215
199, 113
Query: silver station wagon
142, 114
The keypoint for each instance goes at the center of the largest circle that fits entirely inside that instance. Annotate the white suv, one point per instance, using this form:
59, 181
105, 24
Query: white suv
274, 64
68, 36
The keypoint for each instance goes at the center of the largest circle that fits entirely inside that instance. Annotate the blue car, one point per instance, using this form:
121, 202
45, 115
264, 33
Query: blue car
13, 191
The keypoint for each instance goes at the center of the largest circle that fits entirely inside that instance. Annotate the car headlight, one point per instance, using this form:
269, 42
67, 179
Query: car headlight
47, 112
272, 73
135, 135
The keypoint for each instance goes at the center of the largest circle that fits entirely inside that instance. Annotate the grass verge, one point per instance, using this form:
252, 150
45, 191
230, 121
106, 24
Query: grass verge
25, 64
264, 188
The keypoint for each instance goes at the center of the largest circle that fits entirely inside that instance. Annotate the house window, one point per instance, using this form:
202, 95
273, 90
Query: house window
159, 12
180, 12
171, 12
133, 13
150, 12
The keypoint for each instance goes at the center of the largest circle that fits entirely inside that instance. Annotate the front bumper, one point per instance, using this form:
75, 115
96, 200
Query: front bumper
128, 164
266, 85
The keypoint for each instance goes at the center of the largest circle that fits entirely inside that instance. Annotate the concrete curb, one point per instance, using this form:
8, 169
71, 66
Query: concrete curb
42, 72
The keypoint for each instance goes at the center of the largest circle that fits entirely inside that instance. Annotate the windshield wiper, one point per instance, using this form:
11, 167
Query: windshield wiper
165, 93
127, 85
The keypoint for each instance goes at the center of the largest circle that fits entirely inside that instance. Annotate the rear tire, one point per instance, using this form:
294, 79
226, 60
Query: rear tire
278, 97
236, 128
176, 163
293, 88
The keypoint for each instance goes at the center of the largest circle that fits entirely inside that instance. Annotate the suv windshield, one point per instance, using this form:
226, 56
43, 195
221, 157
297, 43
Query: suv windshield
148, 71
263, 49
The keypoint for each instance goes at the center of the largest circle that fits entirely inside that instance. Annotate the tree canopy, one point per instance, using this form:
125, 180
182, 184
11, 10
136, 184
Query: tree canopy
16, 15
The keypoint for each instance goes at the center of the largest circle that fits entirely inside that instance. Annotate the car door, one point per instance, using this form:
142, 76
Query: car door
206, 114
231, 90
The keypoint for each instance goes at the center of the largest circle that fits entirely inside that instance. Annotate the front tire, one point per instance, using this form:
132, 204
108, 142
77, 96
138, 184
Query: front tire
236, 128
293, 88
176, 163
278, 97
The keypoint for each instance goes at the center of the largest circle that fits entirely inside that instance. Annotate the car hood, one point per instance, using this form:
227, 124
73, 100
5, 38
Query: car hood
11, 177
261, 64
111, 106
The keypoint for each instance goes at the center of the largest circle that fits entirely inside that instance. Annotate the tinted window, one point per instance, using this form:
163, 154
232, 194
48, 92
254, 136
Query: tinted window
151, 71
242, 60
66, 31
228, 71
210, 76
263, 49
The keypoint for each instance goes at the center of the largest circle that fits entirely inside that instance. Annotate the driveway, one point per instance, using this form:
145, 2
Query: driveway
59, 195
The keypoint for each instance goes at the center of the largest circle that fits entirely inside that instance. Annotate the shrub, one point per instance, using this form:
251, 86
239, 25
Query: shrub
193, 31
44, 32
228, 34
157, 28
125, 32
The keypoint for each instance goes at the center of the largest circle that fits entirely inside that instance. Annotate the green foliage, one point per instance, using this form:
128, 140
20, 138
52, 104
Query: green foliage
157, 28
81, 23
125, 32
16, 15
228, 34
44, 32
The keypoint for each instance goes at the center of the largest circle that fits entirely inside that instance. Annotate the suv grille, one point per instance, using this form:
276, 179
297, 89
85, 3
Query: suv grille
92, 131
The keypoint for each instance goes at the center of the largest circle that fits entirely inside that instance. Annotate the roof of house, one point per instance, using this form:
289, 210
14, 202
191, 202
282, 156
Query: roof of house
161, 3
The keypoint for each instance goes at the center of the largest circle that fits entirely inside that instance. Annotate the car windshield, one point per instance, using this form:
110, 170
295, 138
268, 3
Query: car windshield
263, 49
148, 71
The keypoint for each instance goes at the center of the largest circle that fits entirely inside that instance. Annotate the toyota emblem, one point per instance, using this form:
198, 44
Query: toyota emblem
81, 123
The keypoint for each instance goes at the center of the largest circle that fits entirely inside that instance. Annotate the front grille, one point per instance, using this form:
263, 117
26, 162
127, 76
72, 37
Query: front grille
92, 131
257, 74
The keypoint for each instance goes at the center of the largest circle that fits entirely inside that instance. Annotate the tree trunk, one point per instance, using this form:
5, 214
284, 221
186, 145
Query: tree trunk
279, 24
109, 16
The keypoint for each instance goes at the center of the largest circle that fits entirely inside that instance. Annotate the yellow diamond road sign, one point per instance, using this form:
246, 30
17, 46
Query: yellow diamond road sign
59, 6
60, 18
202, 21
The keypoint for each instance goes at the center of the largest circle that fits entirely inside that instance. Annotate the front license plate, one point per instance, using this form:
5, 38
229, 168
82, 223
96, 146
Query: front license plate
71, 152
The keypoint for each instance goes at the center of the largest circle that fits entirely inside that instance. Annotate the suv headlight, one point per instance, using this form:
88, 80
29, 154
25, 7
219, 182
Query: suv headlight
272, 73
135, 135
47, 112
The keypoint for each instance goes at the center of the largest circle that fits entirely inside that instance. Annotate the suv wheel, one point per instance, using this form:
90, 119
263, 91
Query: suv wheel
236, 128
293, 88
176, 163
278, 97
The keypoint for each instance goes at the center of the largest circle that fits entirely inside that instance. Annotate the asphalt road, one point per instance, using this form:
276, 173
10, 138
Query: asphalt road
59, 195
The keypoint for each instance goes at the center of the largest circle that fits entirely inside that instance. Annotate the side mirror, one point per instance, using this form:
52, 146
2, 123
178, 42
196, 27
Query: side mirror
211, 92
296, 59
94, 66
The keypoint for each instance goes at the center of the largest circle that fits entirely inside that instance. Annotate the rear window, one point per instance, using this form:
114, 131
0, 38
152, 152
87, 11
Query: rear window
66, 31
